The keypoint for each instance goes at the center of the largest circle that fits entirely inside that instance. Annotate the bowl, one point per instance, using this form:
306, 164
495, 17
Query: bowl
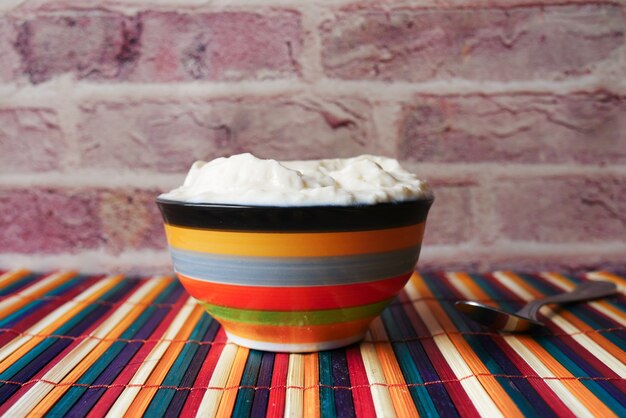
294, 279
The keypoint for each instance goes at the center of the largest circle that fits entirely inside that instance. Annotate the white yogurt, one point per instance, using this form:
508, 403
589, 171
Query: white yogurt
247, 180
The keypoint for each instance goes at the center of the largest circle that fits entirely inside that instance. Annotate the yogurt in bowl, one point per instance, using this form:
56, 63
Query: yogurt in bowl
295, 256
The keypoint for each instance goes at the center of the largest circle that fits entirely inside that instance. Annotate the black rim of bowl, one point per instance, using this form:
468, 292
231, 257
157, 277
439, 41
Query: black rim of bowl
294, 218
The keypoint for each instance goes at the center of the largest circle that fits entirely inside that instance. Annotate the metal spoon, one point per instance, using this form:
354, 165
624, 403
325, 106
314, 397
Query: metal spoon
526, 318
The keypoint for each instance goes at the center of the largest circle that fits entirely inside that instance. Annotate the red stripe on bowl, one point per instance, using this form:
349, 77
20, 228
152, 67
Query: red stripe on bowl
294, 298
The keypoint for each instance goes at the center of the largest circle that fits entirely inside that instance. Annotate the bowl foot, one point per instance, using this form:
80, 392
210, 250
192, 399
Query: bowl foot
294, 348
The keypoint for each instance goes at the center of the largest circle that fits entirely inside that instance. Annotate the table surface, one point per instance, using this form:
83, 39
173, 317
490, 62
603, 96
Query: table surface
77, 345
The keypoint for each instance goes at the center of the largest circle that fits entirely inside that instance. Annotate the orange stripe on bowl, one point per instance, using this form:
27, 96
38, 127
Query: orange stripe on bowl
294, 244
294, 334
293, 298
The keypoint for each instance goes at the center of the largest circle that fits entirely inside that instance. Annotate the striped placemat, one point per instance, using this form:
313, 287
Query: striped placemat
76, 345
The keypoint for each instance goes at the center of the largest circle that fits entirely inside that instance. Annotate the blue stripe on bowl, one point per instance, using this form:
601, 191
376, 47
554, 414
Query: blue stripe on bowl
294, 271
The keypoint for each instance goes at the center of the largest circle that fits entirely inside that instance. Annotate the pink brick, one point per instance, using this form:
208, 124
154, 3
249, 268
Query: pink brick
168, 137
9, 59
562, 209
451, 218
31, 140
559, 263
521, 43
40, 220
91, 44
434, 265
130, 220
578, 128
219, 46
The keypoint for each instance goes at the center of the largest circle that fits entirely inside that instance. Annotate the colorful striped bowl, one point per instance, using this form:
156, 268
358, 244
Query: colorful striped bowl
294, 279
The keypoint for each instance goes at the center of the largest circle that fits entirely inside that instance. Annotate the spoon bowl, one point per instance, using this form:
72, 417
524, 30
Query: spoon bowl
495, 318
526, 318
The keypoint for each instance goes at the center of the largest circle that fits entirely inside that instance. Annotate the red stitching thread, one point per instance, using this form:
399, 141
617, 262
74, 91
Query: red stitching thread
319, 385
96, 302
123, 340
402, 340
169, 305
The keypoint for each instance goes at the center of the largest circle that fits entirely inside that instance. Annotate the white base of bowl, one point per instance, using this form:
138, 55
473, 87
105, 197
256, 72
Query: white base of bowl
293, 348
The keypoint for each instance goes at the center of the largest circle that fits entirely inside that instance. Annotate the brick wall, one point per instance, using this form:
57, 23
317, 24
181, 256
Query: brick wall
514, 110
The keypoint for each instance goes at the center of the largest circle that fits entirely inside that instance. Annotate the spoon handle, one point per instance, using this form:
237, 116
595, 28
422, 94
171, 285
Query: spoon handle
585, 291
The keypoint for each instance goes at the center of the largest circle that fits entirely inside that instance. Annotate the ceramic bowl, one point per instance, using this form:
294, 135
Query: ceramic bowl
294, 279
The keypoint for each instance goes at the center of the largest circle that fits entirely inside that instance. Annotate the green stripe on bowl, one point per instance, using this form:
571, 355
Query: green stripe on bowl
296, 318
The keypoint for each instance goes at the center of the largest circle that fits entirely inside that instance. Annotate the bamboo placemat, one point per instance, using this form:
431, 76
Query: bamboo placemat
75, 345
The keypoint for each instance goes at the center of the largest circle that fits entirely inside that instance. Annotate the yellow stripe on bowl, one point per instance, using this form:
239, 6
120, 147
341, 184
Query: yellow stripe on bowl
298, 244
